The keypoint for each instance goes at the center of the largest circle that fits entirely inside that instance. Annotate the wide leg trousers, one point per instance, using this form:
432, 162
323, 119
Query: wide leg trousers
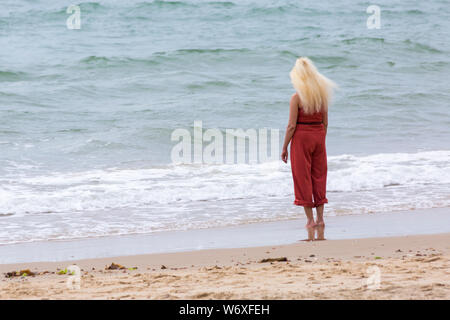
309, 165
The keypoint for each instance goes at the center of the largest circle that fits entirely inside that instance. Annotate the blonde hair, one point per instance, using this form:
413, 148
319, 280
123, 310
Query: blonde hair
314, 89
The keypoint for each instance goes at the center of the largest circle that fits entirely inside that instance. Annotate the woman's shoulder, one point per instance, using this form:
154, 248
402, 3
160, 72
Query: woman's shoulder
295, 99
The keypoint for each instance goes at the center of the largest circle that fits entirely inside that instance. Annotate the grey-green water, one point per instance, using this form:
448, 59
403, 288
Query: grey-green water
86, 115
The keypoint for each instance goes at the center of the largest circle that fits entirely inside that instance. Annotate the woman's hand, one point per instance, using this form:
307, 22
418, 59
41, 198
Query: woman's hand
284, 155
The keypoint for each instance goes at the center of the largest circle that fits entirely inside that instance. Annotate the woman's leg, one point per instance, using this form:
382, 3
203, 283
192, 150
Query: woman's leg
309, 216
320, 223
319, 182
301, 151
310, 224
319, 219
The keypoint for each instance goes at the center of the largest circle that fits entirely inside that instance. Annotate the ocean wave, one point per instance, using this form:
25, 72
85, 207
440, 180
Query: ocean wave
96, 145
205, 51
91, 5
96, 59
159, 58
435, 65
204, 85
9, 76
177, 184
251, 9
405, 12
269, 10
179, 197
111, 62
420, 47
165, 4
329, 61
88, 7
221, 3
184, 4
50, 12
357, 40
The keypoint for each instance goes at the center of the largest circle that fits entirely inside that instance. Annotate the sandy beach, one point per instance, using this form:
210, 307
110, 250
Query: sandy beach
408, 267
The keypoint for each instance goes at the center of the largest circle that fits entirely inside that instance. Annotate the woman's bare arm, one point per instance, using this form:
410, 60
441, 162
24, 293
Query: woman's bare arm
292, 124
325, 121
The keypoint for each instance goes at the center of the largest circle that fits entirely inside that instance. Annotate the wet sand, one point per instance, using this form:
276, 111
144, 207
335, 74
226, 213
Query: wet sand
399, 223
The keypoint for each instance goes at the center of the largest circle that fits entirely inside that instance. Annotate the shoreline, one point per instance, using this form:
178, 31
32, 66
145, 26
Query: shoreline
379, 225
402, 256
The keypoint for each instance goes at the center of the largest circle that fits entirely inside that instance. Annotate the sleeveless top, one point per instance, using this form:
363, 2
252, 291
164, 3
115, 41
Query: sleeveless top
313, 117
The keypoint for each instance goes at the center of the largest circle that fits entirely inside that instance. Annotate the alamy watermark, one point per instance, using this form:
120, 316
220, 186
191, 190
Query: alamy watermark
374, 280
214, 146
74, 280
73, 22
374, 20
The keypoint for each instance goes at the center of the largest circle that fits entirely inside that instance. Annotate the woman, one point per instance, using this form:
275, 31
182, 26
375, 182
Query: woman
306, 131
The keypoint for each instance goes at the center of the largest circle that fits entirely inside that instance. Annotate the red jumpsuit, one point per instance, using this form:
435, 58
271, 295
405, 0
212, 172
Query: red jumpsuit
309, 161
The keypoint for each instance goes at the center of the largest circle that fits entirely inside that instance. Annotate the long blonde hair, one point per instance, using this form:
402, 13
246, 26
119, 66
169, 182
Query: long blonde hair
313, 88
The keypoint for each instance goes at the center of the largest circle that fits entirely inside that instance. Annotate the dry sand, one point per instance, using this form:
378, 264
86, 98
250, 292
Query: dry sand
411, 267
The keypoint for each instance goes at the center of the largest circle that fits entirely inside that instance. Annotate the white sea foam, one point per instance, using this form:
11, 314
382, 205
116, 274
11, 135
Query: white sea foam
121, 201
175, 184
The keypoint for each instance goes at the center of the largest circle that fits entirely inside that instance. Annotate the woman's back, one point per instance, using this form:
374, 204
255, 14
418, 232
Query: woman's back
313, 117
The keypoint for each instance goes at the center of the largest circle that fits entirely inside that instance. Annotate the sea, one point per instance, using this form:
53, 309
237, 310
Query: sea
89, 104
